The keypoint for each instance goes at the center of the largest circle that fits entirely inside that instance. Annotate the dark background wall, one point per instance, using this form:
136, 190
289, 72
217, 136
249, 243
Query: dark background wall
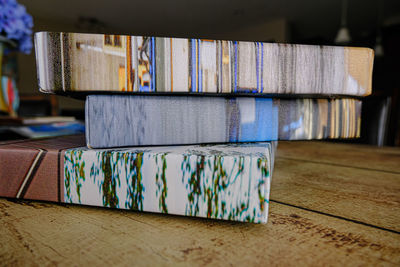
286, 21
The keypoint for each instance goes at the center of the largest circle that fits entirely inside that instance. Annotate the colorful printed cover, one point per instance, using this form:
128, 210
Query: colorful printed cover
228, 181
75, 62
121, 120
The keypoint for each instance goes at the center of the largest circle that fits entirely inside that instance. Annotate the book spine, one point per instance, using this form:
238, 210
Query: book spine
230, 182
117, 121
24, 174
34, 169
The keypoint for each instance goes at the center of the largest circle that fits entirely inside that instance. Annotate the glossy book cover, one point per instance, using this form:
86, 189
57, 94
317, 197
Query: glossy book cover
76, 62
227, 181
121, 120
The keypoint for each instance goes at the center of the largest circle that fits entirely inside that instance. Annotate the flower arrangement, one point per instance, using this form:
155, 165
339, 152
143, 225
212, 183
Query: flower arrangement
15, 36
16, 25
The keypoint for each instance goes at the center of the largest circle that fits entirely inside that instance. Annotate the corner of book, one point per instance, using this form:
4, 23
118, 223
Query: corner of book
87, 128
368, 91
43, 56
39, 34
371, 67
44, 90
264, 218
87, 137
370, 51
370, 57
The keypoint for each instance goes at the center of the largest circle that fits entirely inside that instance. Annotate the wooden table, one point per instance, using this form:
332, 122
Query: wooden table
331, 204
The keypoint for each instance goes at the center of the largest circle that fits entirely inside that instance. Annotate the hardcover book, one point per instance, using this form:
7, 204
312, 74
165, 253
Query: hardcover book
226, 181
75, 62
122, 120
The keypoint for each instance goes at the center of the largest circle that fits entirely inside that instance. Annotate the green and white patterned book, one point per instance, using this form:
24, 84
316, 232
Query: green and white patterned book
230, 182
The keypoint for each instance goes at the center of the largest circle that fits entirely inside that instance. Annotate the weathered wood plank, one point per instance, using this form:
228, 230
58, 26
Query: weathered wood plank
361, 156
42, 233
369, 196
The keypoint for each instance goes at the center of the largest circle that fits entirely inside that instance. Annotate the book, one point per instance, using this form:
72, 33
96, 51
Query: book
70, 63
135, 120
226, 181
9, 121
46, 130
33, 169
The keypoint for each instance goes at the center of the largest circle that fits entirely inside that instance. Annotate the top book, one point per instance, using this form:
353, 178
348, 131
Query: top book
93, 63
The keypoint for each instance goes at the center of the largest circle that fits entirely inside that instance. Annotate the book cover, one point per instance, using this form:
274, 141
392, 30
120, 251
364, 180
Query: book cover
47, 130
33, 169
226, 181
75, 62
121, 120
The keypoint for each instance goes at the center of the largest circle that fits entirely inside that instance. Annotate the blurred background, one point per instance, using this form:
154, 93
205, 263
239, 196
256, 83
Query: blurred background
367, 23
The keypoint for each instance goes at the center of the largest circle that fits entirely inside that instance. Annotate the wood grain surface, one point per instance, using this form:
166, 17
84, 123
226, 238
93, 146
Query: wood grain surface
386, 159
368, 196
322, 212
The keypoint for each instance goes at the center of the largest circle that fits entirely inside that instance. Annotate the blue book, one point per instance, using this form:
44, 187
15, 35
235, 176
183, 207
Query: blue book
134, 120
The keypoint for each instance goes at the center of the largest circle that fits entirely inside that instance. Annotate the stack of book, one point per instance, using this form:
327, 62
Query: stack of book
184, 126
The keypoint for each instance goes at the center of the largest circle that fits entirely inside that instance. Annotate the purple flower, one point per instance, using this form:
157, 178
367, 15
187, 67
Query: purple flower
25, 44
16, 24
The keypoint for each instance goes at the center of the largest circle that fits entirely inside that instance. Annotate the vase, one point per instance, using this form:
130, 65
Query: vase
9, 100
